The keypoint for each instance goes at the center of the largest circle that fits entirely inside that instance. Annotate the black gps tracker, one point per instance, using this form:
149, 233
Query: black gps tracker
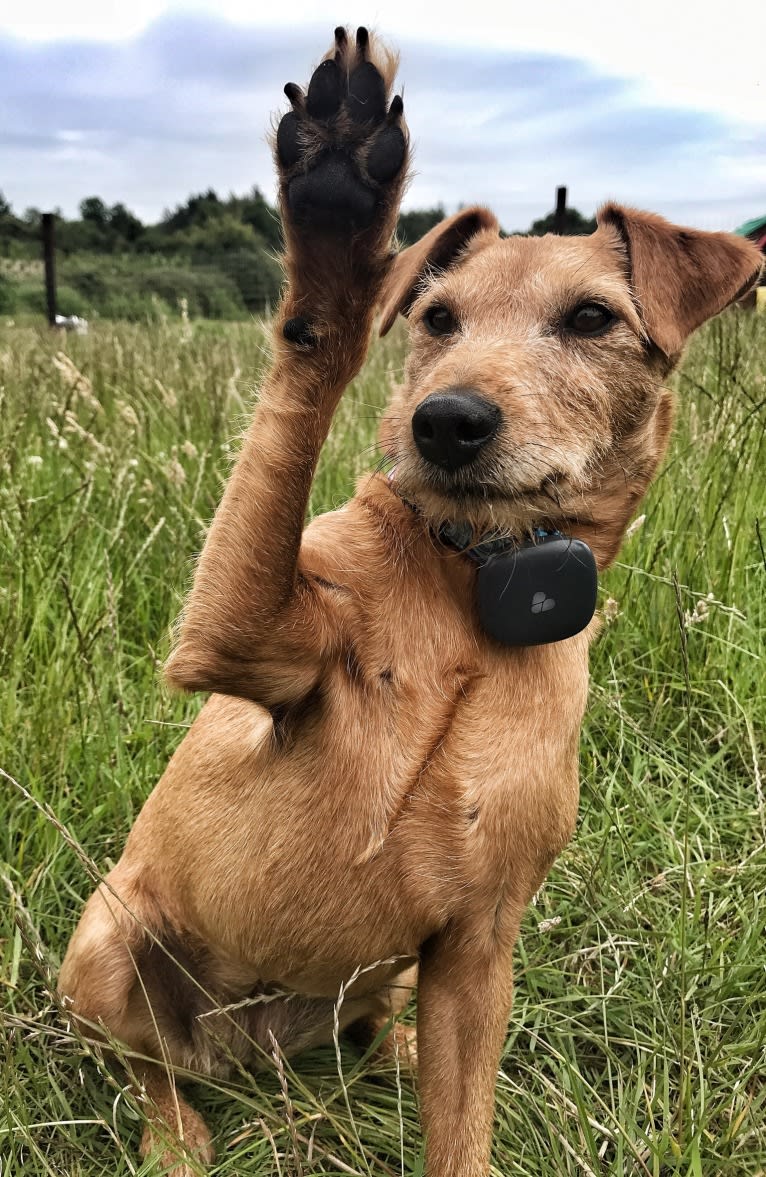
544, 590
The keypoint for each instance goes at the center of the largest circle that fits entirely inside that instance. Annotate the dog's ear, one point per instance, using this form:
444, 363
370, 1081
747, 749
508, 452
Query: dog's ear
679, 277
441, 248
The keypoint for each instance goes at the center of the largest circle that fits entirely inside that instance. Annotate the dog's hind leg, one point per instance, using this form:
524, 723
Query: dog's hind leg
173, 1131
400, 1041
138, 999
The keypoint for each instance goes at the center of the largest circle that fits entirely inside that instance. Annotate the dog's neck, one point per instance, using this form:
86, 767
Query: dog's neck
460, 536
533, 590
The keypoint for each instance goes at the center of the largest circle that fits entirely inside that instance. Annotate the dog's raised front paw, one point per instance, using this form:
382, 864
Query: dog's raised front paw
341, 150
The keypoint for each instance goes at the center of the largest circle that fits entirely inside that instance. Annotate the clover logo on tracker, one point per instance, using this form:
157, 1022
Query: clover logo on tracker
542, 603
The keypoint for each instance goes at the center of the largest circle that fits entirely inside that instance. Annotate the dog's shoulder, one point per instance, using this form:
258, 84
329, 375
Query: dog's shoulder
363, 544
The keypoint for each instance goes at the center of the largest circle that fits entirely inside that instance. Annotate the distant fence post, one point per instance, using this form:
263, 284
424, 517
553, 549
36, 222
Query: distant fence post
49, 257
559, 217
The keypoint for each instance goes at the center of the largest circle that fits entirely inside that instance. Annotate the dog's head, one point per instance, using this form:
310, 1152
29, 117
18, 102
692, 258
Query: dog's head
533, 389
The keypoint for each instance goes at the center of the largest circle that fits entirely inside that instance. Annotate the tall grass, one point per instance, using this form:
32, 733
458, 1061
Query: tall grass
637, 1043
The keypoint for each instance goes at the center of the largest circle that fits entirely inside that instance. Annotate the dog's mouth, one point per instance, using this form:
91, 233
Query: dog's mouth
548, 488
482, 485
485, 499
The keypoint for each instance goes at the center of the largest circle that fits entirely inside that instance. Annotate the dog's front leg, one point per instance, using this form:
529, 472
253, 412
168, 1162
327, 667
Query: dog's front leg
254, 623
464, 998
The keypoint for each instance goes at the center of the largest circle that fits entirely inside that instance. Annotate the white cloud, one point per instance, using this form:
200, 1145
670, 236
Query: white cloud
679, 51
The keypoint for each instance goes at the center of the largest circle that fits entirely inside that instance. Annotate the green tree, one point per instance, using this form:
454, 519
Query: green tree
415, 224
221, 236
575, 224
84, 236
198, 210
262, 218
93, 210
257, 276
17, 238
124, 223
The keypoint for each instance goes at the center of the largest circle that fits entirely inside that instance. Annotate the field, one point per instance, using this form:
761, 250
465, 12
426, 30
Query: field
637, 1043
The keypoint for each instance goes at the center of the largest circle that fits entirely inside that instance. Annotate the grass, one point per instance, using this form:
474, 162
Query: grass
637, 1043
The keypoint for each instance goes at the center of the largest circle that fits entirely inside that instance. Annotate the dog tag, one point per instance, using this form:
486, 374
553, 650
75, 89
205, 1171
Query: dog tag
542, 591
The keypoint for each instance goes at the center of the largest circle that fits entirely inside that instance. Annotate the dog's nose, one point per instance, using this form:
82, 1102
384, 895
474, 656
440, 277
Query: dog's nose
450, 428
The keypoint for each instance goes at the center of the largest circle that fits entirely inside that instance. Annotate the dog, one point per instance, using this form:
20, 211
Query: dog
377, 787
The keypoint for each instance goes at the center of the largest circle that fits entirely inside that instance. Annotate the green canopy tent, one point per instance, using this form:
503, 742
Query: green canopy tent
755, 230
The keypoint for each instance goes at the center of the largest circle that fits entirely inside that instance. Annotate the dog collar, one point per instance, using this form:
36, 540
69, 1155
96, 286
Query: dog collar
460, 537
529, 592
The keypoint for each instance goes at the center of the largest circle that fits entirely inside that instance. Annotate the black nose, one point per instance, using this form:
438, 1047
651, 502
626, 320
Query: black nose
451, 427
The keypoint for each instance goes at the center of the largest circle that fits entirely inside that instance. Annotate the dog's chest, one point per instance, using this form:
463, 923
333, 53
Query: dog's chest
494, 793
387, 809
470, 747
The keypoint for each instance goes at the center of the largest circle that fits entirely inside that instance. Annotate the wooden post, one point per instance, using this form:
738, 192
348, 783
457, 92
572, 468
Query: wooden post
49, 257
559, 217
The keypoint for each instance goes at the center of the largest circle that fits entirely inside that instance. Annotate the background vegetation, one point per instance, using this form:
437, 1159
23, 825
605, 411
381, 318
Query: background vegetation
637, 1041
217, 255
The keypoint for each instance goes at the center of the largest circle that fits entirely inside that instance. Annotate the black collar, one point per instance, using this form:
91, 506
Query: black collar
460, 536
529, 591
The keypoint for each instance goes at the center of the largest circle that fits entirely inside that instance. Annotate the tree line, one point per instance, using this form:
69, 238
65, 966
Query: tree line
217, 254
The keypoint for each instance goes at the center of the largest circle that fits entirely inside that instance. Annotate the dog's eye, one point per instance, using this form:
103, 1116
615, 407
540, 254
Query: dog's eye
439, 321
590, 318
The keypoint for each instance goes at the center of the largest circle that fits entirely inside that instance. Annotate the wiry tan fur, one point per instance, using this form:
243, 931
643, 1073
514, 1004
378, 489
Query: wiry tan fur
372, 778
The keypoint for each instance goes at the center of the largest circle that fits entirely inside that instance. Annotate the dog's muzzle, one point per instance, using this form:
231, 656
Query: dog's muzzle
450, 428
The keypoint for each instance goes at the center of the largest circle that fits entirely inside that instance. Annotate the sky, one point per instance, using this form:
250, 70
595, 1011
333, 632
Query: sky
662, 106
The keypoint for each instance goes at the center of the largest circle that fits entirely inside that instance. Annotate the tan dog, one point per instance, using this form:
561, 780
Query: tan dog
374, 779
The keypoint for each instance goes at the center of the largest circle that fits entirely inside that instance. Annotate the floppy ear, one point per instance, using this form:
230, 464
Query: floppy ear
680, 277
438, 250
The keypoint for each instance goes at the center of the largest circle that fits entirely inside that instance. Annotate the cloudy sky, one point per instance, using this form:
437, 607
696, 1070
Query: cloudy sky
663, 107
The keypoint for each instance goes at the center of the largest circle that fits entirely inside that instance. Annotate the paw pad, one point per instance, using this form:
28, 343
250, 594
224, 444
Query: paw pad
325, 91
298, 330
339, 147
366, 94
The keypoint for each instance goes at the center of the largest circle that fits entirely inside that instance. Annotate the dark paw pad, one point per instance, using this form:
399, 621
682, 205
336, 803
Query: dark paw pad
298, 330
386, 155
287, 140
340, 145
366, 95
332, 195
326, 91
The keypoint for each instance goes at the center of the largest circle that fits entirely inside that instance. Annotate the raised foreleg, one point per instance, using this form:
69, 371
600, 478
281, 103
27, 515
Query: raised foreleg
256, 624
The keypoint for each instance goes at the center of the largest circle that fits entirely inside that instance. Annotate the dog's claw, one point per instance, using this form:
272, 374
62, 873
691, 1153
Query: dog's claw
362, 41
341, 39
396, 109
295, 95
